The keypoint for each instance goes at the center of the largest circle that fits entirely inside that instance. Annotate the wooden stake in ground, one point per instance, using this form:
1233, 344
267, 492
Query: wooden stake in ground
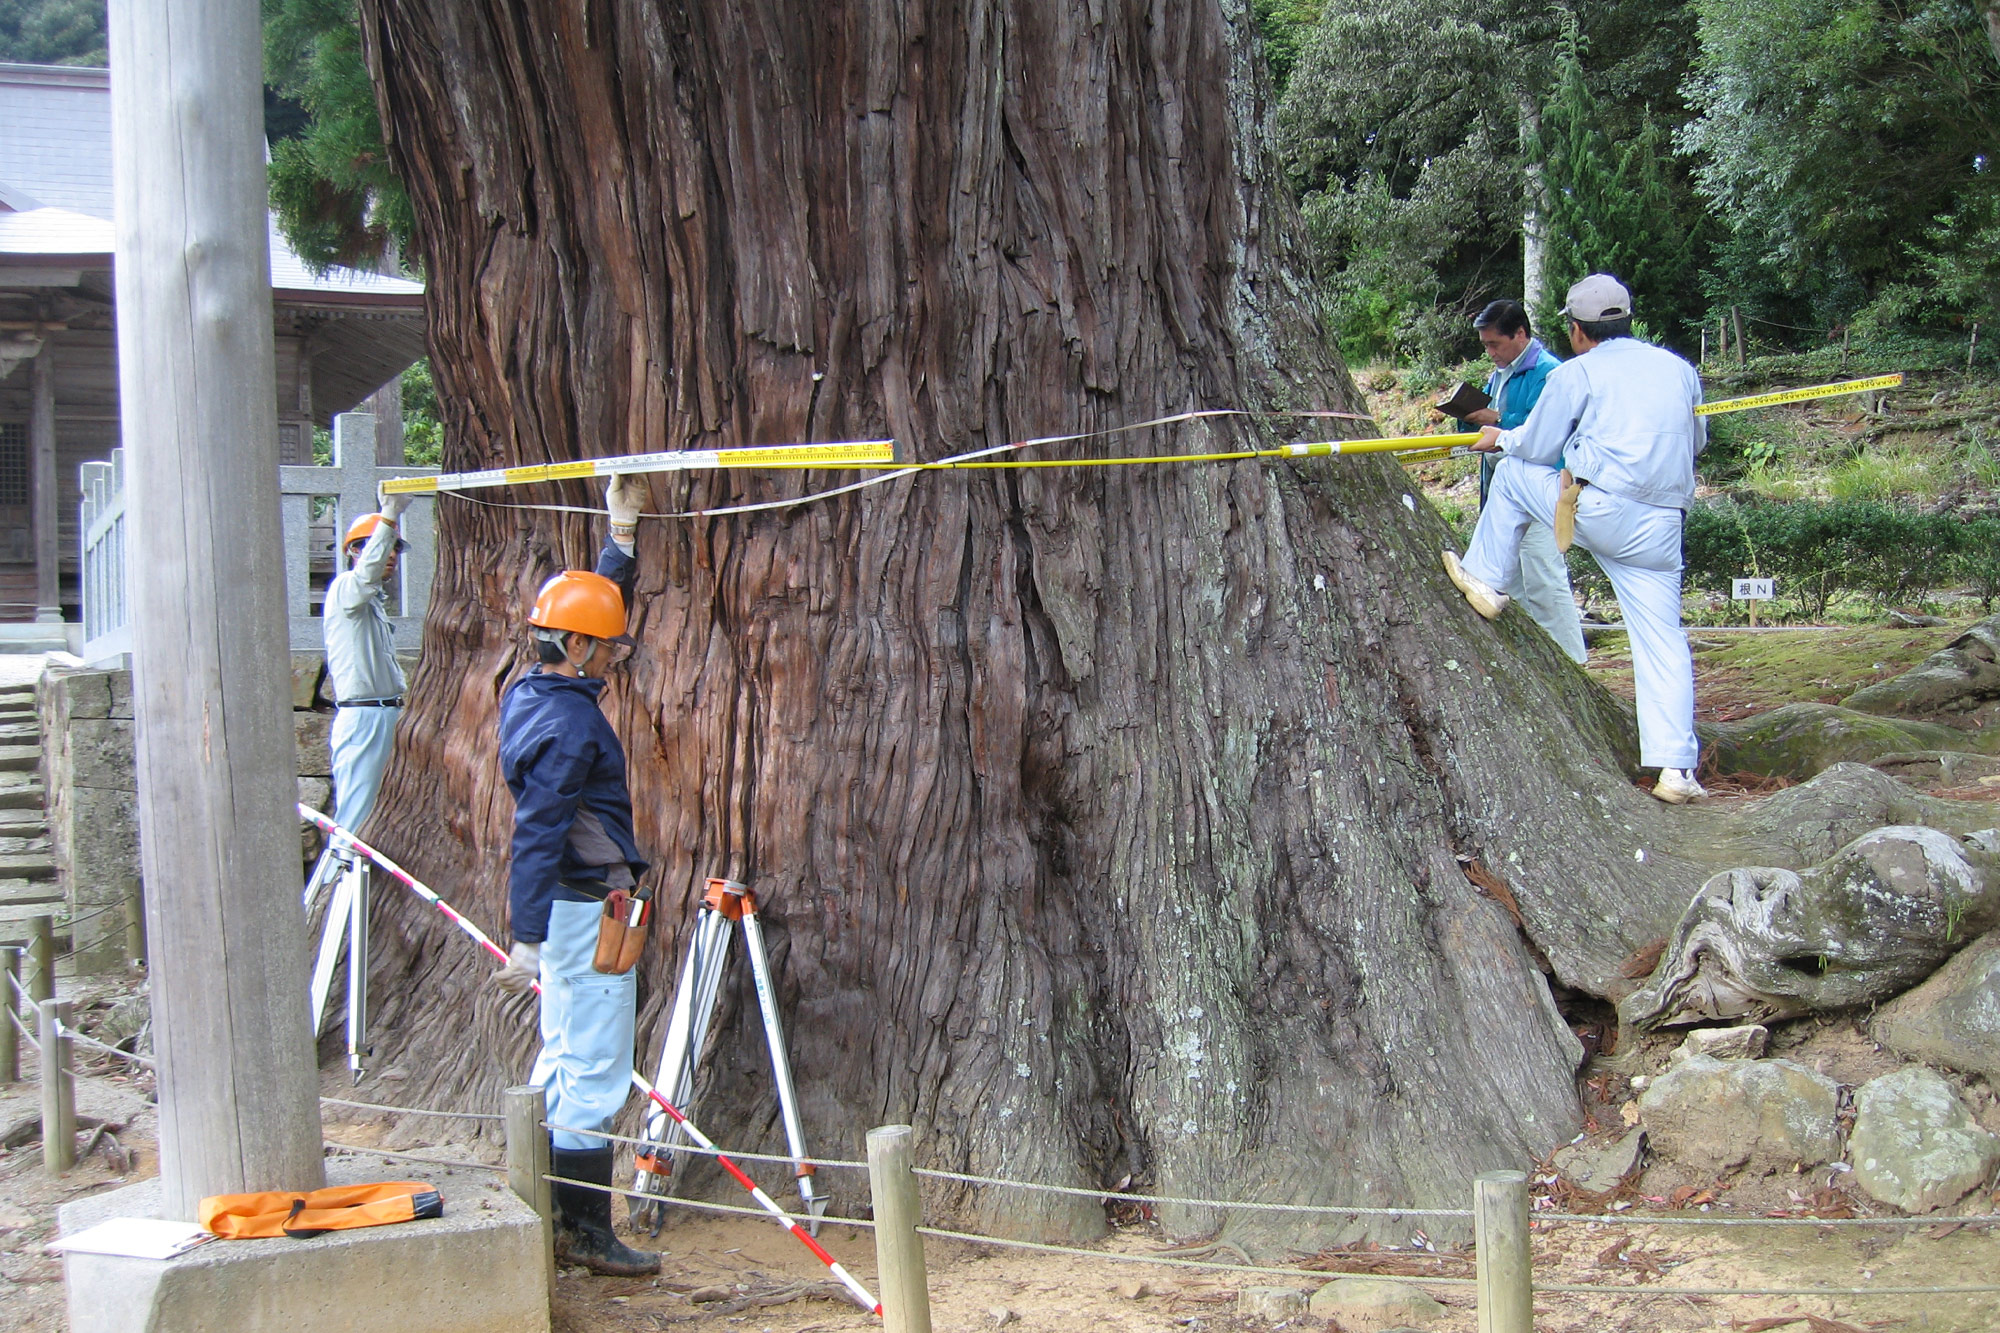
216, 769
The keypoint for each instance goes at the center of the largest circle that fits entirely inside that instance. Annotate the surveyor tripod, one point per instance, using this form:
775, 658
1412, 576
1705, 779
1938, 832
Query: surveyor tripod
687, 1033
346, 922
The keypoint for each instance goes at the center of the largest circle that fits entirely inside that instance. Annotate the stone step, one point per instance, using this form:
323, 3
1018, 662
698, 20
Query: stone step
21, 796
20, 758
16, 713
20, 733
22, 821
27, 865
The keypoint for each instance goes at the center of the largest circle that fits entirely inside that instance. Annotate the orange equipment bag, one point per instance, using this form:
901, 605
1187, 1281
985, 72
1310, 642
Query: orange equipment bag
274, 1213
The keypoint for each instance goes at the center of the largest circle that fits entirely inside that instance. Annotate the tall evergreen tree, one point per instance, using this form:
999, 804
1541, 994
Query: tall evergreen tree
1612, 207
337, 199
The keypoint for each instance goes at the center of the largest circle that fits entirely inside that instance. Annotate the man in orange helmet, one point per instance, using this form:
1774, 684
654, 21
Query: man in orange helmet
361, 660
573, 845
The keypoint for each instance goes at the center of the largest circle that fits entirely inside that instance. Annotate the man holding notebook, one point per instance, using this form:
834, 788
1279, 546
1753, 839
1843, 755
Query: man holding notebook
1521, 364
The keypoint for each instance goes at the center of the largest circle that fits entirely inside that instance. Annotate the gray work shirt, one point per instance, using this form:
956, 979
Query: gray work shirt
360, 645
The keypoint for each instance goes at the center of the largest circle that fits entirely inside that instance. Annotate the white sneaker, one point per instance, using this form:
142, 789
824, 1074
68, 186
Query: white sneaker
1484, 600
1677, 786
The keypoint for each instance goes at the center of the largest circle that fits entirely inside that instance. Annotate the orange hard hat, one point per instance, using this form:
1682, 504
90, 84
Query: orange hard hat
582, 603
364, 527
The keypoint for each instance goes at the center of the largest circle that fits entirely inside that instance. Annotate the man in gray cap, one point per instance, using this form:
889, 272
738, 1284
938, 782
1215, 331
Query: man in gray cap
1621, 415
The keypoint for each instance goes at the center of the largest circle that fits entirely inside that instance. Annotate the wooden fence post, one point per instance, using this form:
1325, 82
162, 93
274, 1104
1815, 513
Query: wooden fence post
899, 1250
1736, 316
529, 1164
58, 1089
1504, 1267
10, 1039
135, 922
41, 960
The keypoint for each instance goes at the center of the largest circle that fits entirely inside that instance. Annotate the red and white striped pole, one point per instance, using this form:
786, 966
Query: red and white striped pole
481, 938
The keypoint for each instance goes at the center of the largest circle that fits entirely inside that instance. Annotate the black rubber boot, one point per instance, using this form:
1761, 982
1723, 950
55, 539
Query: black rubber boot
583, 1218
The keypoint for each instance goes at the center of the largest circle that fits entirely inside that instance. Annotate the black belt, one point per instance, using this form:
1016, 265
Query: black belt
396, 702
594, 890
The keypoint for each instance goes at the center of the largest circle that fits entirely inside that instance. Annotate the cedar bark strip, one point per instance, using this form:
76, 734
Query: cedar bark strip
1105, 821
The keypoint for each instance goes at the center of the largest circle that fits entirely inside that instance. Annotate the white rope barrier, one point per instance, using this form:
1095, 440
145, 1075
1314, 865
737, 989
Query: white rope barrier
1167, 1261
1110, 1196
411, 1110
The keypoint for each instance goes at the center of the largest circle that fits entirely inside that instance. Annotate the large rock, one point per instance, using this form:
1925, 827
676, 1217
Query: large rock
1739, 1043
1960, 681
1914, 1144
1799, 740
1375, 1305
1273, 1305
1716, 1115
1953, 1018
1602, 1168
1761, 942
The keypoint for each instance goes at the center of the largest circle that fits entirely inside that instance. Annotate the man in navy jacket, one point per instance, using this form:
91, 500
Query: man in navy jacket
573, 845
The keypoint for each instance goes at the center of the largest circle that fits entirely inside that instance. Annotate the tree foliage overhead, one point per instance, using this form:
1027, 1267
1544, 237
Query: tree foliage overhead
53, 32
1410, 128
1833, 134
337, 199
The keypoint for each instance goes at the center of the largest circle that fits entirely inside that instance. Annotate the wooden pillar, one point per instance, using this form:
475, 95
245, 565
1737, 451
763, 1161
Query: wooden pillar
44, 516
1505, 1267
530, 1161
238, 1084
386, 403
58, 1087
899, 1211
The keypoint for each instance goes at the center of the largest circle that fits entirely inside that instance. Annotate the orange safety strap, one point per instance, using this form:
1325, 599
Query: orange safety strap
272, 1213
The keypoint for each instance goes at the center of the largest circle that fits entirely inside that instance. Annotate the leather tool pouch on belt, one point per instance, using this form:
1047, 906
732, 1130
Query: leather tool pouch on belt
274, 1213
1565, 524
621, 932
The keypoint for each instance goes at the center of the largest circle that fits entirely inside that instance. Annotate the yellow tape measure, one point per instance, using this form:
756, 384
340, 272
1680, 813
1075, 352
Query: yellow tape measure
878, 454
1798, 395
683, 460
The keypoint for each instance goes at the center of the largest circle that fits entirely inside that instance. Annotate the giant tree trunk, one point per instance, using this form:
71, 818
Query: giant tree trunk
1106, 820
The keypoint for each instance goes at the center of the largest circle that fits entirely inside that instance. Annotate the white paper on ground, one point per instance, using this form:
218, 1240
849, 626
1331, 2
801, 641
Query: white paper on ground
134, 1238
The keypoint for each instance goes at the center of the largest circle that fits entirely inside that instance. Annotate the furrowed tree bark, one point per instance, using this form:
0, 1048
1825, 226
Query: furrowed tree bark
1104, 820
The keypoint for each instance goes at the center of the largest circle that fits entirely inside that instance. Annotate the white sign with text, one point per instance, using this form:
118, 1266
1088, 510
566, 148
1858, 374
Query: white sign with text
1753, 590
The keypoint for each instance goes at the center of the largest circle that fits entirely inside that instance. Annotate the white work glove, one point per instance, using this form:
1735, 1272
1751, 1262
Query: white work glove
391, 507
523, 970
623, 496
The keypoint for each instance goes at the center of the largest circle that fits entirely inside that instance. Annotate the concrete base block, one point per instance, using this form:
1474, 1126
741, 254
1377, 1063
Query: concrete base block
481, 1267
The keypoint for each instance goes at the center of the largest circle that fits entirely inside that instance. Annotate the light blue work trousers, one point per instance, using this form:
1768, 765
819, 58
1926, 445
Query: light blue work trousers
1639, 548
1543, 590
362, 741
585, 1064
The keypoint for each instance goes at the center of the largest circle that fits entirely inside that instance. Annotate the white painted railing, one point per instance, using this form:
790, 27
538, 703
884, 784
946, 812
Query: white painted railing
349, 484
107, 630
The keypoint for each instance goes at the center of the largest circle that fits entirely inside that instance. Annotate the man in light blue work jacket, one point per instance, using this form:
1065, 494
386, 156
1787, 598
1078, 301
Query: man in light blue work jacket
1521, 365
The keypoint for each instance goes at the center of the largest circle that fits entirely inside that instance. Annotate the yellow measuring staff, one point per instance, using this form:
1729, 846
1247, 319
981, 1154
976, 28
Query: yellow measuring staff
681, 460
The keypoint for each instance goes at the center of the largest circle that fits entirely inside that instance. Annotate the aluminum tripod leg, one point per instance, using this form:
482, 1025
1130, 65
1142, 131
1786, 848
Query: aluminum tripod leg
781, 1065
357, 971
332, 936
687, 1032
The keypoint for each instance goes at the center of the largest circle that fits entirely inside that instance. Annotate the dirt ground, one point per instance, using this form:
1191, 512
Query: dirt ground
735, 1274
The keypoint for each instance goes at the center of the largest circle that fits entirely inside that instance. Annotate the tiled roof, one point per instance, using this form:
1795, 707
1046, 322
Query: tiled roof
57, 143
54, 231
55, 149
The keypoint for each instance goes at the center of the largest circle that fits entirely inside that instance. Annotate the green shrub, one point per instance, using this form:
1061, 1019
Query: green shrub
1818, 551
